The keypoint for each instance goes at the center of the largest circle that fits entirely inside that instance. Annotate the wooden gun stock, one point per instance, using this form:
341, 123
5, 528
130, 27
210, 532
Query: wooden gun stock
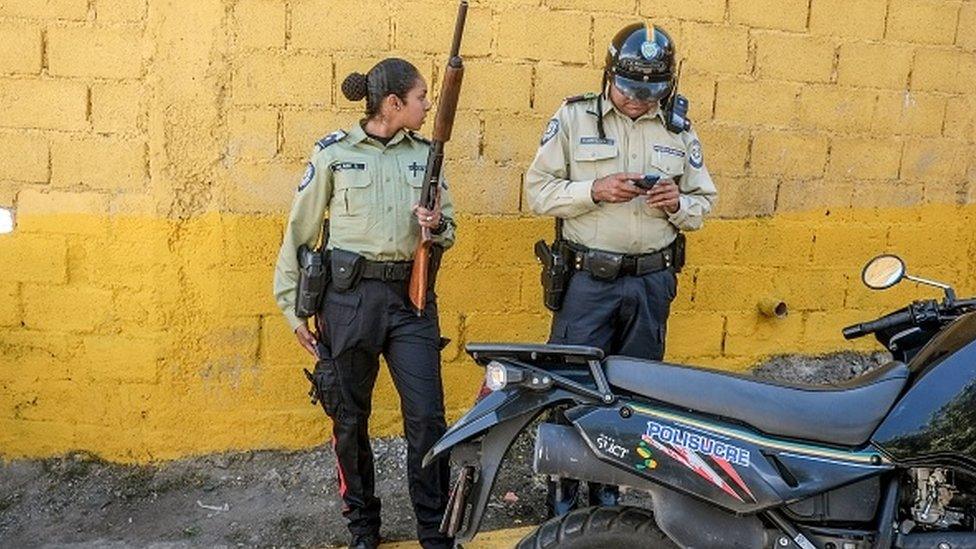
420, 272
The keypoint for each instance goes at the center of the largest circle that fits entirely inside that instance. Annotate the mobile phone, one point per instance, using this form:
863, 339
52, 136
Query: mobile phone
647, 181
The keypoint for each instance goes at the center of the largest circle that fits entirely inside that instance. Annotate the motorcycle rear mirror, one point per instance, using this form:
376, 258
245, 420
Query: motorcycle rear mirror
883, 272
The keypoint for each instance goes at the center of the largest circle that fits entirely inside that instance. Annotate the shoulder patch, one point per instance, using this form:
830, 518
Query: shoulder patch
581, 97
419, 137
695, 156
307, 178
551, 130
330, 140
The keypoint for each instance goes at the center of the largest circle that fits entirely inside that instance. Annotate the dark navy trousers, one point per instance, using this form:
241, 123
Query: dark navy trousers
627, 316
376, 318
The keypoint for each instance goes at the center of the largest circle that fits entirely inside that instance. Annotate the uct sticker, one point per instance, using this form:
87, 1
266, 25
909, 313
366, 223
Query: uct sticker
551, 131
695, 155
307, 178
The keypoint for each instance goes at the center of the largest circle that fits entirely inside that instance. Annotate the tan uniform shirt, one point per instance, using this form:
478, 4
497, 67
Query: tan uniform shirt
572, 156
368, 190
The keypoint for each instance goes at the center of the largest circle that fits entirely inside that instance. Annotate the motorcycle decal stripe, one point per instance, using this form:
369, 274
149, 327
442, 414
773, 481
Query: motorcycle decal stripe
698, 465
867, 457
734, 475
682, 456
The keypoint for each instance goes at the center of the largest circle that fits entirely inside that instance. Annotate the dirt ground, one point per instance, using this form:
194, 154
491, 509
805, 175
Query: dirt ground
263, 498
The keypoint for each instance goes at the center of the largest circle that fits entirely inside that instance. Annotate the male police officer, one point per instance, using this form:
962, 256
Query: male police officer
618, 229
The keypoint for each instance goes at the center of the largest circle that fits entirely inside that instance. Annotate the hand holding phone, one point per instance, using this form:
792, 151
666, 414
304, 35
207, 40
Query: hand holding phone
647, 182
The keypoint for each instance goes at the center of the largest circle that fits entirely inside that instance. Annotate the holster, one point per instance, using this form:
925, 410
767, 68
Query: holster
313, 278
326, 389
555, 273
679, 252
347, 269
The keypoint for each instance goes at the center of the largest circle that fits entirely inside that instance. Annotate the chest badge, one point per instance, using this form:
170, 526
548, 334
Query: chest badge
416, 169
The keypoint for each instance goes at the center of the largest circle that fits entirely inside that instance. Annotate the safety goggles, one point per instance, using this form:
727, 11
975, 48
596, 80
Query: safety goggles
645, 92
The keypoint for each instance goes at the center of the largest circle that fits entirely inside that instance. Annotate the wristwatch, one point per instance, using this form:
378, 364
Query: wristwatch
441, 226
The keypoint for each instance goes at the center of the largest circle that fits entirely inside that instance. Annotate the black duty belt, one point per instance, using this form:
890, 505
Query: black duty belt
609, 265
387, 270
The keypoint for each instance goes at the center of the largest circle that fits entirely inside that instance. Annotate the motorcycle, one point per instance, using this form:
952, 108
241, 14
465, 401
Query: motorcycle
887, 459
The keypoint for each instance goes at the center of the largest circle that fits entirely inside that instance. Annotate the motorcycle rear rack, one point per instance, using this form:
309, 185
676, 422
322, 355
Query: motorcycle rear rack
523, 355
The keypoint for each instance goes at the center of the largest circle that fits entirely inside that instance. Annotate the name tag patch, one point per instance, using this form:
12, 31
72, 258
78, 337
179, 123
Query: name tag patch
669, 150
342, 166
596, 141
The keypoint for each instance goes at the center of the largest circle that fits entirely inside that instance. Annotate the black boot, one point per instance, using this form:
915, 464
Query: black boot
365, 541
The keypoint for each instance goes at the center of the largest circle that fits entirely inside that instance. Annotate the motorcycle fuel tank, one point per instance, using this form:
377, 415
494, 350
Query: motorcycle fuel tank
932, 423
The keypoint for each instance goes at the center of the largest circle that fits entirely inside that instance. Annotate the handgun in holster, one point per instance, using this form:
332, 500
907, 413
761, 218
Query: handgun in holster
556, 271
679, 252
313, 276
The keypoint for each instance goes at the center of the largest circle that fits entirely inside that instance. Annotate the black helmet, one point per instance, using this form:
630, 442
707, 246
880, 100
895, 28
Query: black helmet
640, 62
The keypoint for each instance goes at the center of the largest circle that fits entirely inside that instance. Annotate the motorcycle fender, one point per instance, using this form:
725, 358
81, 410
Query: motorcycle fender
692, 523
486, 461
497, 420
496, 408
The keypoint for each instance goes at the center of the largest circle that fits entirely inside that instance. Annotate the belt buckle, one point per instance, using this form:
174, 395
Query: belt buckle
389, 272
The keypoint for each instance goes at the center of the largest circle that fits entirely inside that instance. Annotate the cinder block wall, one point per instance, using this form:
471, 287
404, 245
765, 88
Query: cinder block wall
150, 151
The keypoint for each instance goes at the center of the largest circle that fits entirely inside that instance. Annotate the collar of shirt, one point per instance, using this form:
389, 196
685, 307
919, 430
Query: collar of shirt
358, 135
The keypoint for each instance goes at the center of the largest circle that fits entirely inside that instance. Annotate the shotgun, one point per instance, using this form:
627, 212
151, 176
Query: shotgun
443, 125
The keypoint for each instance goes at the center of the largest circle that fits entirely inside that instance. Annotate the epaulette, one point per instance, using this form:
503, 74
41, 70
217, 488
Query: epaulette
418, 137
581, 97
330, 140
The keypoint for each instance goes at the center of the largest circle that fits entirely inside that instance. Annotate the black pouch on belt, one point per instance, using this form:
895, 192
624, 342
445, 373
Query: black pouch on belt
604, 265
313, 278
347, 268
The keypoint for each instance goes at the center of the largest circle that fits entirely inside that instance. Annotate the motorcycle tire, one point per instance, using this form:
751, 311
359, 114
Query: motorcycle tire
599, 528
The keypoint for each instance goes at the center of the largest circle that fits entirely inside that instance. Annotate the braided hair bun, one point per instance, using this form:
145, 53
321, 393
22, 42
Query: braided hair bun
355, 87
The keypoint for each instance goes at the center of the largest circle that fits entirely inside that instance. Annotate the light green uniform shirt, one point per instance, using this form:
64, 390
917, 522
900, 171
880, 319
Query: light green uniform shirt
368, 190
572, 156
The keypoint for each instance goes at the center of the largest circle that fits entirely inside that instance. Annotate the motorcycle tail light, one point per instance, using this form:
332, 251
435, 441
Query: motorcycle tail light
483, 391
498, 375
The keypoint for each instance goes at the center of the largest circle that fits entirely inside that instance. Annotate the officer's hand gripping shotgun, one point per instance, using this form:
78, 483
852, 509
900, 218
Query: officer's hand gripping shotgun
443, 125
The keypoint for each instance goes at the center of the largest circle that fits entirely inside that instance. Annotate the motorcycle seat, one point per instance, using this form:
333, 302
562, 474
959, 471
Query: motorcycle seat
844, 414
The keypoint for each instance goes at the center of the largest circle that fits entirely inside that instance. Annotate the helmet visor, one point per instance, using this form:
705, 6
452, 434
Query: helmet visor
645, 92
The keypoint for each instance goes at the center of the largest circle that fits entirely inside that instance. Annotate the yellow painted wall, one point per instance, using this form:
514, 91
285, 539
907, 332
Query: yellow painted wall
150, 151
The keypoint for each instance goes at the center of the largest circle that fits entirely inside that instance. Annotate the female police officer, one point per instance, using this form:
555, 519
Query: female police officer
369, 180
